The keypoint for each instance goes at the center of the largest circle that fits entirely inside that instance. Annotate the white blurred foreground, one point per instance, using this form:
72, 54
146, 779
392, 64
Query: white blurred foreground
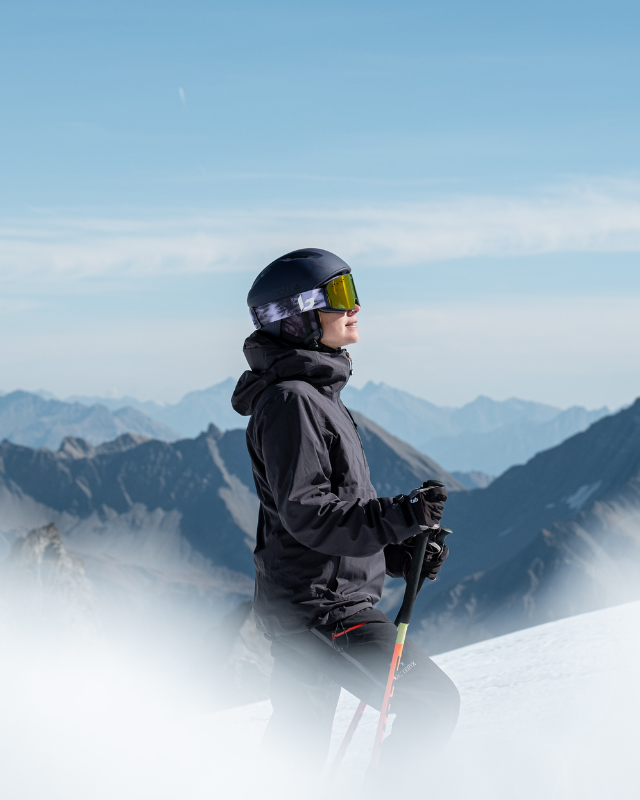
552, 712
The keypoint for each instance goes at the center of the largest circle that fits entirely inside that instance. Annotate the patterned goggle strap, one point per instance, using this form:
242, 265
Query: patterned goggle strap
281, 309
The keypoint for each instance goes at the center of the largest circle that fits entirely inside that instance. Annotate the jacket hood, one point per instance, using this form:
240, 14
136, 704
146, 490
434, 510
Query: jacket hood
272, 360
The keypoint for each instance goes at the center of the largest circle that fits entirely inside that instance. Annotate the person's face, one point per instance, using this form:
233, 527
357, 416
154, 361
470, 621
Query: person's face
339, 329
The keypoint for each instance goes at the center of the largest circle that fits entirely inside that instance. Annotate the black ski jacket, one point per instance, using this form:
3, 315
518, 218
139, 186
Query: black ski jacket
322, 532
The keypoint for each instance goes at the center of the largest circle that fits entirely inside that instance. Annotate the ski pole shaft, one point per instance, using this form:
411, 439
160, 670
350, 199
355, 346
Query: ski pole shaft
439, 539
402, 621
349, 735
409, 598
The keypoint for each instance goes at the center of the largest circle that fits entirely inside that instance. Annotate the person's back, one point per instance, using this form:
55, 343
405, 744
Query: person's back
325, 540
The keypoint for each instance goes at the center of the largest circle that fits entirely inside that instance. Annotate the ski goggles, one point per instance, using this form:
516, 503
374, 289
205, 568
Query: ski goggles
337, 295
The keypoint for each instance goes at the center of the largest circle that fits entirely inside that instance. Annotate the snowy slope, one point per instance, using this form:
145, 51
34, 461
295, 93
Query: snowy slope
550, 711
547, 712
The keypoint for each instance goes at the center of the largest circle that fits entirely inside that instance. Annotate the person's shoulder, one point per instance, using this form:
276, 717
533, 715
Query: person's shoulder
289, 395
295, 388
294, 392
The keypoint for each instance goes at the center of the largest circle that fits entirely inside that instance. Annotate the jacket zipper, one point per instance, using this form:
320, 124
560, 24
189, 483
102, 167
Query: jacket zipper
355, 427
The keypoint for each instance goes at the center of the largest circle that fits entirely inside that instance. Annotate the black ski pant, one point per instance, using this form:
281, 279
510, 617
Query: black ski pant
310, 668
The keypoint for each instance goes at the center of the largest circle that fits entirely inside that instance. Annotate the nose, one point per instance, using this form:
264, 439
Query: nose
354, 310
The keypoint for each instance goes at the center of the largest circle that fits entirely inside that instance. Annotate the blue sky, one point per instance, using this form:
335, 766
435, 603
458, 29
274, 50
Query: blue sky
477, 163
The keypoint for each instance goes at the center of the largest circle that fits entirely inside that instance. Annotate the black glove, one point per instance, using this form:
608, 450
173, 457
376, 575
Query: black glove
399, 557
427, 503
433, 562
434, 558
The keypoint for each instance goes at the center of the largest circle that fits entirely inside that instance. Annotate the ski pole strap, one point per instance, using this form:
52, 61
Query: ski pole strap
413, 579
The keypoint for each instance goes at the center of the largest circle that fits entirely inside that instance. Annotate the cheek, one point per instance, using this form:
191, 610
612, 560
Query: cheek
332, 323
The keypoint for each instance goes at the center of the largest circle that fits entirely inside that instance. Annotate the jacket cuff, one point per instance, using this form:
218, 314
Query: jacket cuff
396, 557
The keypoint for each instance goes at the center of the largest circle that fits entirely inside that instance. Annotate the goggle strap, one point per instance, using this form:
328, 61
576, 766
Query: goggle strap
288, 306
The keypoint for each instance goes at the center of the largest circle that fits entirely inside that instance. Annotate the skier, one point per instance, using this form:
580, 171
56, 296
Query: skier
324, 539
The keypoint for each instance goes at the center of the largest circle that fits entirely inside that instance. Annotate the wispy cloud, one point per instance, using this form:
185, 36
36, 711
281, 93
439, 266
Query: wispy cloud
601, 217
183, 99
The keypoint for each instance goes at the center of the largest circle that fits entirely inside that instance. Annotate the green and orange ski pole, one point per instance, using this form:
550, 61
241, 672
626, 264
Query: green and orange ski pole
414, 584
402, 621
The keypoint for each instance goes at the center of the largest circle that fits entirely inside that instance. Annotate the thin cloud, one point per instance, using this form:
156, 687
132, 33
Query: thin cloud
183, 99
563, 350
604, 218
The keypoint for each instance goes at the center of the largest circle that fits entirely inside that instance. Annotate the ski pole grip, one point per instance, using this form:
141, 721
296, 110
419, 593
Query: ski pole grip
413, 578
441, 535
438, 539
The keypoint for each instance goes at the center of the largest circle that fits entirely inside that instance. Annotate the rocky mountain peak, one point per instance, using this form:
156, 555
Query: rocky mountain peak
75, 447
212, 432
43, 586
128, 441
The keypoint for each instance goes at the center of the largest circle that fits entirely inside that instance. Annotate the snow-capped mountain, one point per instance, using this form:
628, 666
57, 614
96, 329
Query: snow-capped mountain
554, 537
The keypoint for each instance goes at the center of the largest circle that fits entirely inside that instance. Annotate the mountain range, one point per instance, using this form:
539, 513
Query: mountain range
175, 520
190, 416
35, 421
557, 536
484, 436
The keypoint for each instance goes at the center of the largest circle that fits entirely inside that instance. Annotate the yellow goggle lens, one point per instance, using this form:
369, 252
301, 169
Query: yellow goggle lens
341, 293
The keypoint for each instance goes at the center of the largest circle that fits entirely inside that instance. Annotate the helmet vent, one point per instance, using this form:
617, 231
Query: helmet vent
298, 254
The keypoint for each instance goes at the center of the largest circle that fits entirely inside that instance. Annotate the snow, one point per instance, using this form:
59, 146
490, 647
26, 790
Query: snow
580, 497
551, 711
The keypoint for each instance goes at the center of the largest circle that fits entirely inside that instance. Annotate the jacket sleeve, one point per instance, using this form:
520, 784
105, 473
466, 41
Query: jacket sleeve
397, 559
295, 450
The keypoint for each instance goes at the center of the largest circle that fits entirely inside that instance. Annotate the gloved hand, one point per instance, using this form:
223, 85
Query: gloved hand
433, 562
399, 557
427, 503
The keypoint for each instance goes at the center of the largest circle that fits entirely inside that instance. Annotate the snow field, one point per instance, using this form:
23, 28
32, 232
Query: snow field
548, 712
551, 711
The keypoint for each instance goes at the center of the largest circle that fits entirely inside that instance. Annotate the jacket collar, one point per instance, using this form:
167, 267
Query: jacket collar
272, 360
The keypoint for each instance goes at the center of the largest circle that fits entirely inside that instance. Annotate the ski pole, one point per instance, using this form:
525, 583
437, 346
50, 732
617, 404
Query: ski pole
402, 621
439, 539
361, 708
348, 735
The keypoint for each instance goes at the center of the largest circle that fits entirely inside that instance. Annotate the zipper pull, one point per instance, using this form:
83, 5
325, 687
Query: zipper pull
346, 352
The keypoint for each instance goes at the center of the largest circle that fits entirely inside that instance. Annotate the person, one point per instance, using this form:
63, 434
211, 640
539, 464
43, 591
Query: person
325, 540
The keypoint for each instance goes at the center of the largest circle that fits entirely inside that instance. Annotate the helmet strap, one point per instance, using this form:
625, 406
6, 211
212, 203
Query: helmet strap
312, 337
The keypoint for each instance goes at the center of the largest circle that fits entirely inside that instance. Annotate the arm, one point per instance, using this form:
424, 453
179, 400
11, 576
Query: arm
295, 450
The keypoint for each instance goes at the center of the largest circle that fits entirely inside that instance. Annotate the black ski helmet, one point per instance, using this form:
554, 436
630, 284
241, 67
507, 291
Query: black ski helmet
289, 276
